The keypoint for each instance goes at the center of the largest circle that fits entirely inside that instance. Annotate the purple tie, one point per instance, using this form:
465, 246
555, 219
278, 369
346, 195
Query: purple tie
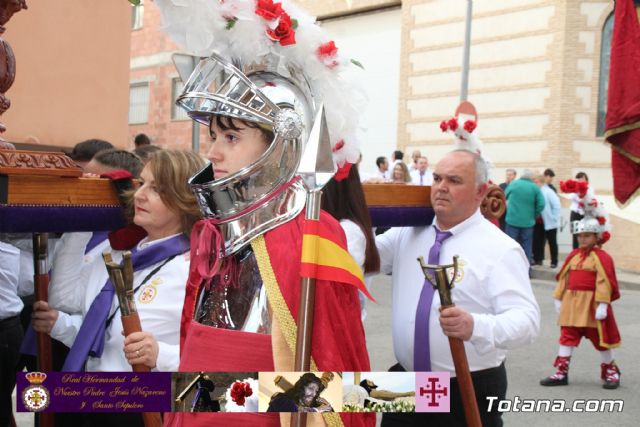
421, 354
421, 176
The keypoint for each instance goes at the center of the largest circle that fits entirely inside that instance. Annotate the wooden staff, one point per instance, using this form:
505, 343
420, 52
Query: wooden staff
122, 279
437, 276
41, 288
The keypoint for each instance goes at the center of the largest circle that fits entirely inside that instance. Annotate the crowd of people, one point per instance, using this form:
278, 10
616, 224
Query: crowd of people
163, 211
217, 251
417, 172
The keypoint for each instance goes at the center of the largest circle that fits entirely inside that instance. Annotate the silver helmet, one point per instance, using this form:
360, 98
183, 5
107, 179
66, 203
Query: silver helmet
586, 225
282, 105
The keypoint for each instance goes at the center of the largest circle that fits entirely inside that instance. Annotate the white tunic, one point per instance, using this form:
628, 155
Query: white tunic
159, 302
10, 304
492, 284
68, 287
357, 246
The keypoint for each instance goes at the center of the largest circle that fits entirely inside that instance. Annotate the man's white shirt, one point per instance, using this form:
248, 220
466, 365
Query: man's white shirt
492, 284
427, 177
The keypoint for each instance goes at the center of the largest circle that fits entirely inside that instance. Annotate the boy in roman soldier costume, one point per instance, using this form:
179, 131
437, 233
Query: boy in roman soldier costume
269, 88
586, 288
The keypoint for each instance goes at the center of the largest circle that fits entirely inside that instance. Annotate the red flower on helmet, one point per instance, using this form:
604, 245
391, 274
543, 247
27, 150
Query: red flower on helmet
470, 126
605, 237
443, 126
327, 53
343, 171
581, 188
453, 124
268, 9
601, 220
573, 186
284, 33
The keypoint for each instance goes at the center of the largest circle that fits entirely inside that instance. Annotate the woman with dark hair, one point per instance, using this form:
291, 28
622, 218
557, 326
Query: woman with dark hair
304, 396
344, 200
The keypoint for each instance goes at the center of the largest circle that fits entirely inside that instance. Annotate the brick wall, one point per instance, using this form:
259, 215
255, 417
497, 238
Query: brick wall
151, 62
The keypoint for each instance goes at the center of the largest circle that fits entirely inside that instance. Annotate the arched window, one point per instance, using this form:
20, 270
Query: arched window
605, 58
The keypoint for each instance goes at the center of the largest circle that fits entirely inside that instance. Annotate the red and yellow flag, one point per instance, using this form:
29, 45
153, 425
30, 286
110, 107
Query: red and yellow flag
324, 257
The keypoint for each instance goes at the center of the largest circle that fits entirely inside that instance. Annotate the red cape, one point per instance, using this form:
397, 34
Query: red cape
338, 335
607, 328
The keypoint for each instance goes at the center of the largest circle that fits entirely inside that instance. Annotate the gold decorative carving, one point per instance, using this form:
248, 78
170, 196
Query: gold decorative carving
17, 162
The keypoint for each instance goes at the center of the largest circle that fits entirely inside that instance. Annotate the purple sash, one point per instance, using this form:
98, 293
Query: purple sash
90, 338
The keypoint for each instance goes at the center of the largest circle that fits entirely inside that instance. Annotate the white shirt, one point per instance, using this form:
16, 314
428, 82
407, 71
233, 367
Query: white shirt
24, 242
383, 175
427, 177
67, 267
575, 200
159, 302
10, 304
493, 285
357, 246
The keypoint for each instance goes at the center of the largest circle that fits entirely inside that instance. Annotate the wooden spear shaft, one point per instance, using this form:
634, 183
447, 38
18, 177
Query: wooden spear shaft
456, 345
302, 360
41, 290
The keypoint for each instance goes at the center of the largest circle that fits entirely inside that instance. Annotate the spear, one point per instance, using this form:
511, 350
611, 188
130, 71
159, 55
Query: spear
316, 169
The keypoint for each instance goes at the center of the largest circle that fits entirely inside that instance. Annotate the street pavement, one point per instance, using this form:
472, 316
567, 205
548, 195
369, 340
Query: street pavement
527, 365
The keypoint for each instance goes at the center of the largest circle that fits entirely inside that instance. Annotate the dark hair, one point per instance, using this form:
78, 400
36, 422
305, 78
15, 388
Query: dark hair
145, 151
398, 155
85, 150
380, 160
549, 172
296, 393
120, 159
141, 139
345, 200
365, 385
582, 175
226, 123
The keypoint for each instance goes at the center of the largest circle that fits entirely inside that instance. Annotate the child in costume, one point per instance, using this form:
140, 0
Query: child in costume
269, 87
587, 286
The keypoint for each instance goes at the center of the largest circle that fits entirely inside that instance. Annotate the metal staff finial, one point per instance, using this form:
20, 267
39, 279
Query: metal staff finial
437, 276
